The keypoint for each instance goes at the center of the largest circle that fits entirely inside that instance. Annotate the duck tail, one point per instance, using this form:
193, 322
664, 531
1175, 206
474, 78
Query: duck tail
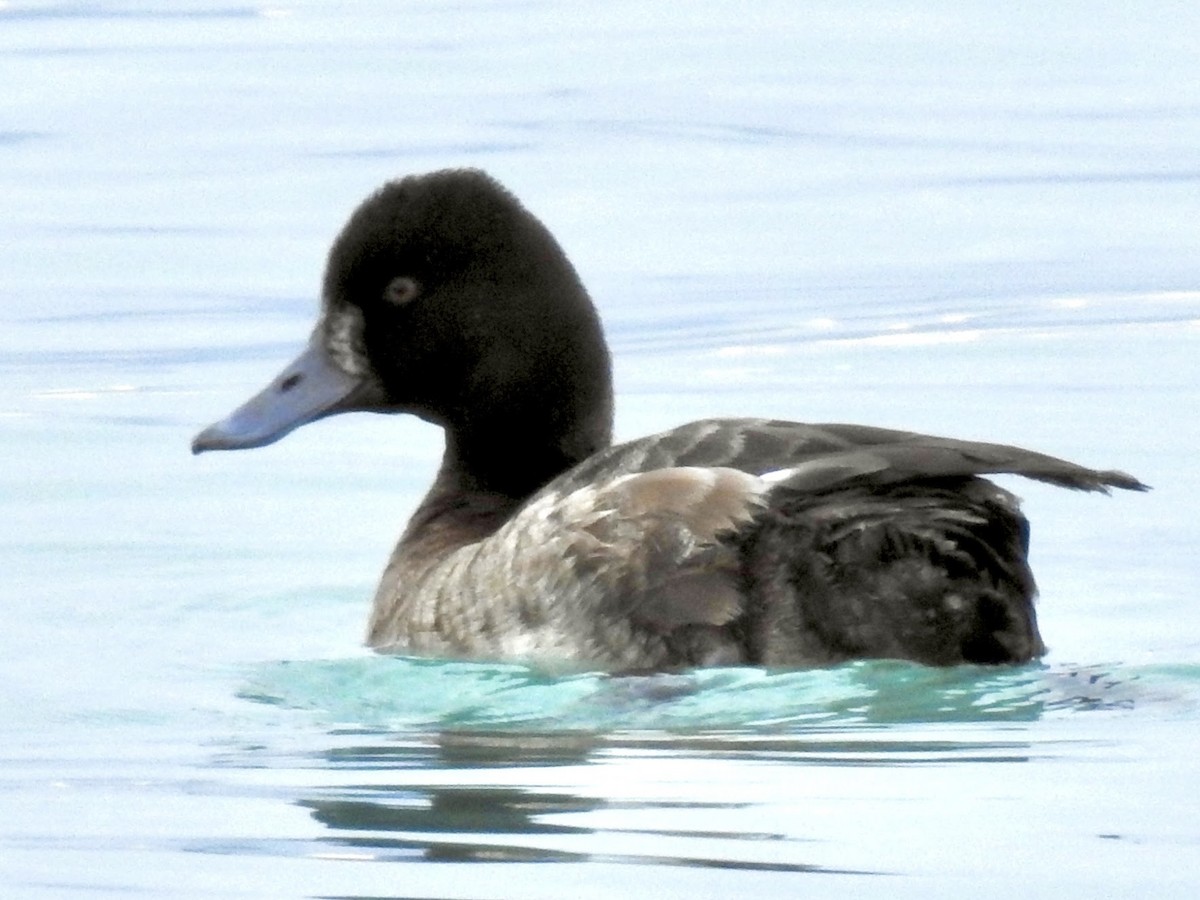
932, 570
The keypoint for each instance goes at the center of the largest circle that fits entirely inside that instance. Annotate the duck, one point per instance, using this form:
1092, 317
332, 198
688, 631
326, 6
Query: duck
721, 542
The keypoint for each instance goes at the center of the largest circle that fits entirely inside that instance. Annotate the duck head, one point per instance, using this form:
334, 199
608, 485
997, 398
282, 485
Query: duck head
443, 297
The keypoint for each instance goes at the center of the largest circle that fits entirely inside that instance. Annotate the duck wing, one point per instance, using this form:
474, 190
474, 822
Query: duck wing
815, 457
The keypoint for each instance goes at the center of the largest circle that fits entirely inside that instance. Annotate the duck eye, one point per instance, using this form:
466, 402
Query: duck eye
401, 290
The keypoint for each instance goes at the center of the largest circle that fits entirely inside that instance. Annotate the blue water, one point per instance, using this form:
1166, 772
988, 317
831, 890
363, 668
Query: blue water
969, 219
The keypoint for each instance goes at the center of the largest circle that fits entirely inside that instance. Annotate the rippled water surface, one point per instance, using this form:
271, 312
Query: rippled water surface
977, 220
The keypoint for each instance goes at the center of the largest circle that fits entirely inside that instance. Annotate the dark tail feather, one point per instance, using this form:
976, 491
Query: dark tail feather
933, 458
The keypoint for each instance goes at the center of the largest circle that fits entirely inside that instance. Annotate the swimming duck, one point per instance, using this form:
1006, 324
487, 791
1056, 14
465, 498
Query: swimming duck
720, 542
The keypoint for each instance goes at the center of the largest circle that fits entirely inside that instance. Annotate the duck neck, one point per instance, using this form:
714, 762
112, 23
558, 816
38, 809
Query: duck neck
516, 454
537, 403
492, 466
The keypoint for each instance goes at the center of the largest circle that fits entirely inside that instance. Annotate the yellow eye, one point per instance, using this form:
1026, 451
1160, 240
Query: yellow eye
401, 290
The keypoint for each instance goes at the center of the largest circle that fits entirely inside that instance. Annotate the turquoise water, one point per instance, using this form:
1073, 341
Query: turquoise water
395, 694
971, 220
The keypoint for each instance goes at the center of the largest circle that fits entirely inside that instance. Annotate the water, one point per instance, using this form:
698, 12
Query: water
972, 220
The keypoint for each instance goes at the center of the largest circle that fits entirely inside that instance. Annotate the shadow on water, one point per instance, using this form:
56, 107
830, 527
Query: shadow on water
465, 805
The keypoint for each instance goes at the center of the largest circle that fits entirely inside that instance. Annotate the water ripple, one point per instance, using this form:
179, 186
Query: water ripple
396, 693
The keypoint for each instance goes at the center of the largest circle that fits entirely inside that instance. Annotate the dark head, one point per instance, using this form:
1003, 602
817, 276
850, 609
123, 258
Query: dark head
445, 298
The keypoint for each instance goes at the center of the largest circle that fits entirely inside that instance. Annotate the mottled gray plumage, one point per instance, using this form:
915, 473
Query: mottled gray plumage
725, 541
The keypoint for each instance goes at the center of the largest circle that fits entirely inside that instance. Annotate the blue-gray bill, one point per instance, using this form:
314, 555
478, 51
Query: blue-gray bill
311, 387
